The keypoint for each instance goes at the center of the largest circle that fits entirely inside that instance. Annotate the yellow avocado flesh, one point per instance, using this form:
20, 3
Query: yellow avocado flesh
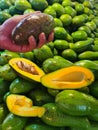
68, 78
36, 77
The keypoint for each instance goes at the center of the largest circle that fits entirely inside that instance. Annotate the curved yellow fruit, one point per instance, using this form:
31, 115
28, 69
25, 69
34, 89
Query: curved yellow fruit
68, 78
26, 68
22, 106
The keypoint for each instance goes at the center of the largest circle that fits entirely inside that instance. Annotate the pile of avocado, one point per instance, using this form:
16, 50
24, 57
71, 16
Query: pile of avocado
75, 43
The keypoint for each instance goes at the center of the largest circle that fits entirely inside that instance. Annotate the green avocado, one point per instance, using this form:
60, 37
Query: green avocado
19, 86
55, 117
14, 122
55, 63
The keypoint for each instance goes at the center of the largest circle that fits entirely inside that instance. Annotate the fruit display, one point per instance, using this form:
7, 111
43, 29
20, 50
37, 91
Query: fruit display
54, 87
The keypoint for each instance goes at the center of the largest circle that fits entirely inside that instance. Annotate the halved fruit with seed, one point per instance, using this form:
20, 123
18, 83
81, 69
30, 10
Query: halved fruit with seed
26, 69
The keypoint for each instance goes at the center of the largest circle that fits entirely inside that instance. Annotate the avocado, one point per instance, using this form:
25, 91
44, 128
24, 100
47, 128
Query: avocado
33, 24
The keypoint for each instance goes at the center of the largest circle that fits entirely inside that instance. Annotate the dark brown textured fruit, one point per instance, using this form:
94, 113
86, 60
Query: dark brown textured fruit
32, 25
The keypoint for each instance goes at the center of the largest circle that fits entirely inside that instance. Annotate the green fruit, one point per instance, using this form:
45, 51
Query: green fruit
4, 16
88, 4
61, 44
67, 3
13, 11
58, 22
5, 4
19, 86
55, 117
39, 4
50, 10
36, 126
94, 89
14, 122
79, 20
28, 55
3, 112
22, 5
4, 87
85, 28
80, 1
60, 33
95, 47
59, 9
9, 55
87, 63
53, 92
40, 97
81, 104
7, 73
79, 35
69, 54
28, 11
81, 46
43, 53
91, 25
66, 19
70, 10
50, 45
95, 20
90, 55
55, 63
79, 8
54, 1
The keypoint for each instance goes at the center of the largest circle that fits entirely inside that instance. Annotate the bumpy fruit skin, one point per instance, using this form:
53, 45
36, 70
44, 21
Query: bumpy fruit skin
38, 23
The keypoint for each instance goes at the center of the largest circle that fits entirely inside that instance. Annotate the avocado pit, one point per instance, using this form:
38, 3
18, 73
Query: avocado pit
27, 67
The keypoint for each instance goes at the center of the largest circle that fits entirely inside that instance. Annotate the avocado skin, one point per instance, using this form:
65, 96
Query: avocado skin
34, 24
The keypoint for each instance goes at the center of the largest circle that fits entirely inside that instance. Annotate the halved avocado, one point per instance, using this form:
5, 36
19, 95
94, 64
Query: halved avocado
26, 69
68, 78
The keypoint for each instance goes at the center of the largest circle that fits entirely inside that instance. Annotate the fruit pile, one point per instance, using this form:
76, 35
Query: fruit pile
54, 87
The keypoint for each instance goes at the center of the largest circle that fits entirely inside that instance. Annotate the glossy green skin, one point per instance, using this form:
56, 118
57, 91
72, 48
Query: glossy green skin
79, 35
43, 53
54, 117
55, 63
39, 5
80, 103
90, 55
41, 127
61, 44
58, 8
7, 55
22, 5
13, 122
81, 46
4, 4
13, 11
85, 28
4, 16
71, 11
40, 97
87, 63
3, 112
7, 73
19, 86
4, 87
49, 10
69, 54
78, 20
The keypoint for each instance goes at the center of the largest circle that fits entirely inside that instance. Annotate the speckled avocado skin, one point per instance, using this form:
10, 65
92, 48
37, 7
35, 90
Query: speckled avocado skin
32, 25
